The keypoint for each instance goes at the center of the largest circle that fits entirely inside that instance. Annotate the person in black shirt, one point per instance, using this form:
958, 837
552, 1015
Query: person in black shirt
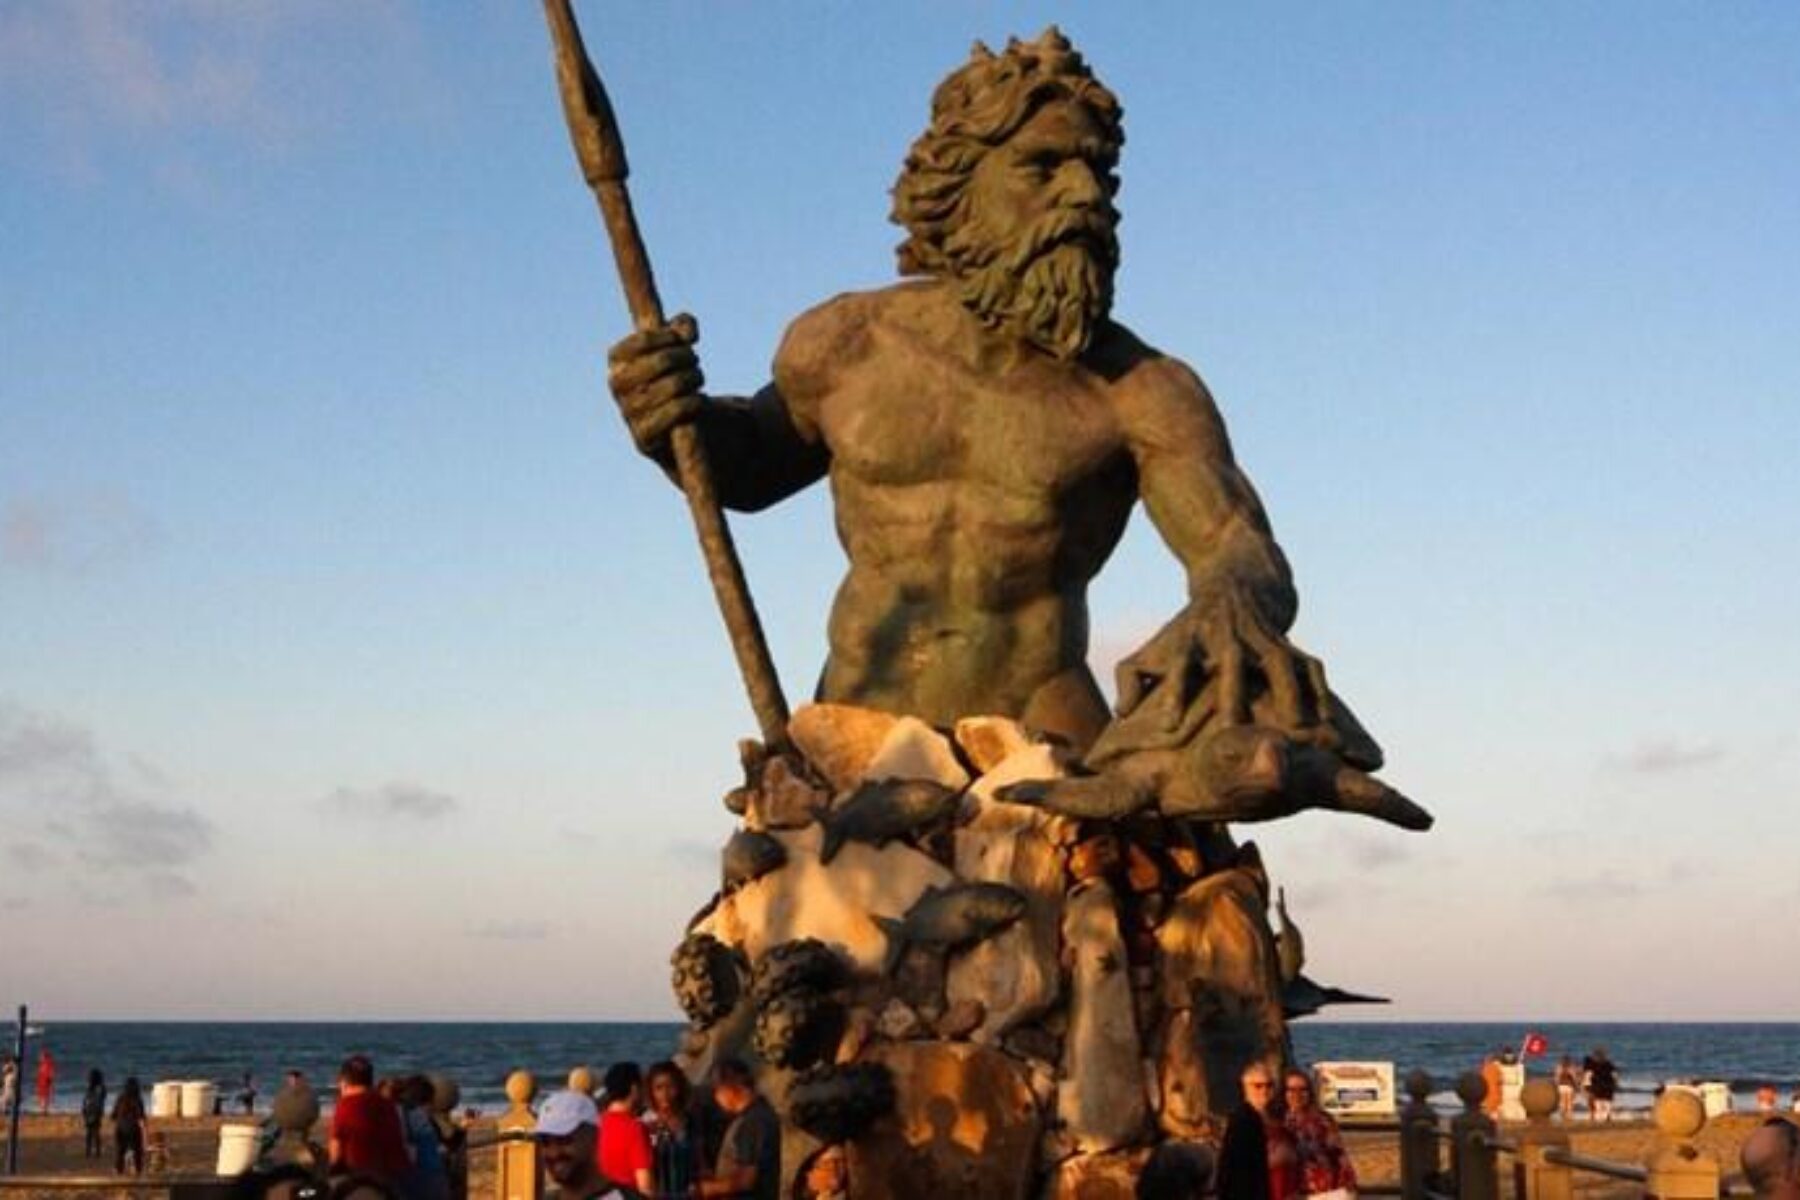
1602, 1084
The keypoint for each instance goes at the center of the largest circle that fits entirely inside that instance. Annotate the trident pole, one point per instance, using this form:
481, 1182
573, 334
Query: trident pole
601, 152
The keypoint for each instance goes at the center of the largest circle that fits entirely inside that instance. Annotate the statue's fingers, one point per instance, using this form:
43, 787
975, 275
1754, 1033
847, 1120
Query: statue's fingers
660, 410
1321, 691
645, 341
650, 403
627, 374
1129, 685
1194, 717
1229, 675
1276, 658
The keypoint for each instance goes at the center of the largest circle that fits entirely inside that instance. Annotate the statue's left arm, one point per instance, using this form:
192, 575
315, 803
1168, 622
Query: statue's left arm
1241, 593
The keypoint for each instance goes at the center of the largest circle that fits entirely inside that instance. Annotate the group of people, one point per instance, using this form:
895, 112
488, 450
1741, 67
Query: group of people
1596, 1080
651, 1135
1280, 1145
389, 1134
128, 1112
46, 1082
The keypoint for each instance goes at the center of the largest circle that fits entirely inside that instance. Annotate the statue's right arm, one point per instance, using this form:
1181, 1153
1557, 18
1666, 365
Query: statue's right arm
761, 448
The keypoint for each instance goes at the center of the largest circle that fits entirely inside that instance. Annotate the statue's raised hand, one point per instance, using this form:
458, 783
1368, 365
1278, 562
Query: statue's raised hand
655, 377
1252, 666
1221, 662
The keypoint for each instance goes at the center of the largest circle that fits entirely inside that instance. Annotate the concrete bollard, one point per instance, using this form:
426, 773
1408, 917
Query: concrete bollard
1420, 1162
1472, 1134
1677, 1169
295, 1111
1535, 1177
445, 1094
516, 1174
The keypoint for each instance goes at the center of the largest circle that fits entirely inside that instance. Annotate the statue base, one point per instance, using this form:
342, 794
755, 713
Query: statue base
956, 996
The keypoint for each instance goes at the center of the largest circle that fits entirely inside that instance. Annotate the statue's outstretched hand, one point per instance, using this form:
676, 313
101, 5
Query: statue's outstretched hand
1239, 643
655, 378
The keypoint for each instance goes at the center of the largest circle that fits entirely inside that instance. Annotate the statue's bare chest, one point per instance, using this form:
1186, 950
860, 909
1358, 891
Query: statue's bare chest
906, 422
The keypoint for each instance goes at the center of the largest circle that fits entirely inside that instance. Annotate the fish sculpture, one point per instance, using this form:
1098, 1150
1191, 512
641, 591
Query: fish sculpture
951, 917
1301, 997
1230, 773
1290, 943
882, 811
749, 855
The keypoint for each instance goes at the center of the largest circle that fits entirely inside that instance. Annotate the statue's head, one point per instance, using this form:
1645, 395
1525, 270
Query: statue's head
1008, 192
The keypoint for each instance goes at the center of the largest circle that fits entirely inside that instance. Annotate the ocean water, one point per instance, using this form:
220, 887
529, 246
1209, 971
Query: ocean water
479, 1055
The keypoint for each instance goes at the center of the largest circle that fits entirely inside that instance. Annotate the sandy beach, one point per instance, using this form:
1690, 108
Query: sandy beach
52, 1146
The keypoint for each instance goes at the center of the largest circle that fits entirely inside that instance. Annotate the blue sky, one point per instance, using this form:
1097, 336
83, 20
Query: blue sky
351, 664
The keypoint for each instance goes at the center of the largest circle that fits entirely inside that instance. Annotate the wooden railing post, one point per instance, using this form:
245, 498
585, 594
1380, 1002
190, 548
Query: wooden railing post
516, 1174
1419, 1158
1677, 1169
1472, 1152
1535, 1177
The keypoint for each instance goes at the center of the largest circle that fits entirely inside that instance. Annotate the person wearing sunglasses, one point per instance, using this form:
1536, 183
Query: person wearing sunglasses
1257, 1158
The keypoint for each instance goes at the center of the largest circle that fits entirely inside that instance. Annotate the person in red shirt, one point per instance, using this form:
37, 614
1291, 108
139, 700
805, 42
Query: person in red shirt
625, 1155
366, 1134
46, 1079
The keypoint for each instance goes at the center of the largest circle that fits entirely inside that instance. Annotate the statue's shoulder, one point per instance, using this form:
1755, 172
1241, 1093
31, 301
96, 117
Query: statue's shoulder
830, 337
1154, 393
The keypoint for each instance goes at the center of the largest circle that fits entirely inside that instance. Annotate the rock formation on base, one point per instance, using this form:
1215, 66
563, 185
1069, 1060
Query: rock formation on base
969, 996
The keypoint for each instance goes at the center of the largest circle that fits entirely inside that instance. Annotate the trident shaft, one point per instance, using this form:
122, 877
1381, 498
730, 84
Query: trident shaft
595, 133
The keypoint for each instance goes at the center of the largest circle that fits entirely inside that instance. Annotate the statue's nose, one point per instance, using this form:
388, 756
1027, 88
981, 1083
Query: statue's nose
1078, 184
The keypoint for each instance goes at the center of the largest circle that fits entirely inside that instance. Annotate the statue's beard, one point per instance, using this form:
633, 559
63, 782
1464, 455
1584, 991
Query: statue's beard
1052, 286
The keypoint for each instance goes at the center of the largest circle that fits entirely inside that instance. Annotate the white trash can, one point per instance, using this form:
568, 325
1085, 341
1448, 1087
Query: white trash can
165, 1099
237, 1149
197, 1097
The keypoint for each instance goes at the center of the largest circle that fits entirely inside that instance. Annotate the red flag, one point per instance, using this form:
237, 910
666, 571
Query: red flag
1535, 1043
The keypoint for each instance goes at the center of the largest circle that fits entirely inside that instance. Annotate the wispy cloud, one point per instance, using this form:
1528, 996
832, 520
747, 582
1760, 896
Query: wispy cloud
510, 931
398, 801
1606, 885
30, 857
63, 796
110, 85
1660, 756
1315, 895
72, 532
136, 833
42, 750
167, 885
1371, 853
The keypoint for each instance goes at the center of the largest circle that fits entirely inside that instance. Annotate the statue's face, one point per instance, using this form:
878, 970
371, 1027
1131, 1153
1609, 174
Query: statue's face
1050, 171
1037, 254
